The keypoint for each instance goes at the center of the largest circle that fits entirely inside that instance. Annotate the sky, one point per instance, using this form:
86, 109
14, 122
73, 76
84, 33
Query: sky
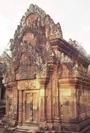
73, 16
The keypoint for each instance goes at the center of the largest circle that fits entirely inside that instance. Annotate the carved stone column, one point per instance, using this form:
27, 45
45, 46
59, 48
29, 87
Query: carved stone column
42, 105
48, 100
52, 101
55, 99
78, 93
20, 107
24, 107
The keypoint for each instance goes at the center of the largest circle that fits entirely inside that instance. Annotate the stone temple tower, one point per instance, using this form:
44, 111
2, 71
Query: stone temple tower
47, 87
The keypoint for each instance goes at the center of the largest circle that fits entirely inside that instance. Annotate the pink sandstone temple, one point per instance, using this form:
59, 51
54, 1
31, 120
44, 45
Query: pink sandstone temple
47, 83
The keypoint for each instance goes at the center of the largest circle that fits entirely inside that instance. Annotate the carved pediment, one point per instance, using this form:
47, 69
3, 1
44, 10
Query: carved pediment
38, 43
36, 19
31, 47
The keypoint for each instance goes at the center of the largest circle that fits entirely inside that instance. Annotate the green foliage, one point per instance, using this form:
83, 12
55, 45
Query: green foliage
7, 58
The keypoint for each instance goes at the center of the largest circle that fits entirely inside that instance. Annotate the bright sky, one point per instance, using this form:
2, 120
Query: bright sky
73, 15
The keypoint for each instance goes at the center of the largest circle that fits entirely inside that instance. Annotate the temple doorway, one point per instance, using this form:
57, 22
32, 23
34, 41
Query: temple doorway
31, 106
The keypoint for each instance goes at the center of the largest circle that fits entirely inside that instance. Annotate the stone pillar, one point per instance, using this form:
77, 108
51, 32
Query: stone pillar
48, 101
20, 107
55, 99
7, 104
52, 101
55, 95
24, 107
42, 107
78, 93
